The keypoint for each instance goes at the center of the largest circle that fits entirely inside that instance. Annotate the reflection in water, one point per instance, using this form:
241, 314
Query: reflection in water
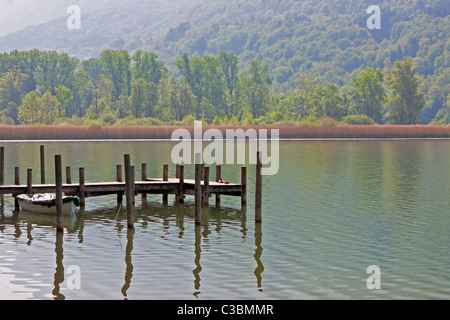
129, 264
199, 235
59, 271
258, 252
198, 267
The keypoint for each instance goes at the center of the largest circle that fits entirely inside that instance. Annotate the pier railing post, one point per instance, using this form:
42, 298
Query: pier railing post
82, 188
205, 200
68, 175
29, 181
58, 187
165, 178
258, 189
198, 190
119, 179
144, 177
42, 160
181, 186
2, 165
218, 178
16, 182
129, 192
244, 186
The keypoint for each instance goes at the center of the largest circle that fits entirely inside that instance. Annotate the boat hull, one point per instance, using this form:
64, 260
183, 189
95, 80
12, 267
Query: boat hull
46, 204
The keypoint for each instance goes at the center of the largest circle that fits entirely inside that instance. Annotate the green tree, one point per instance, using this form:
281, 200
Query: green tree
116, 64
368, 94
182, 100
11, 87
406, 102
64, 96
30, 110
147, 67
55, 69
50, 108
255, 88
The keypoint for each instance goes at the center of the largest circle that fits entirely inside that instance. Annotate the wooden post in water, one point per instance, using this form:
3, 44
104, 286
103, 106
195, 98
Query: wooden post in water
82, 188
68, 175
181, 186
144, 177
218, 178
119, 179
177, 176
165, 178
244, 186
258, 189
129, 192
198, 190
16, 182
205, 185
58, 187
29, 181
2, 165
133, 185
42, 158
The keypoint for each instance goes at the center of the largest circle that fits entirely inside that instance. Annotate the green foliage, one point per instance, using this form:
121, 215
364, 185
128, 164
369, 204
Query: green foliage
360, 119
406, 103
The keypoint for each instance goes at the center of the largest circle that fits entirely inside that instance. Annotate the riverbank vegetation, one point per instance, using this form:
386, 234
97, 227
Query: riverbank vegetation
39, 87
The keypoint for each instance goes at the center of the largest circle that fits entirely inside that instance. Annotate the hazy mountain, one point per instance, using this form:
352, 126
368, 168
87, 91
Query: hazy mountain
327, 38
104, 24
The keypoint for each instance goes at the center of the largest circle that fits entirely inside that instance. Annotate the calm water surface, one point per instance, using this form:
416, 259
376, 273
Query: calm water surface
334, 209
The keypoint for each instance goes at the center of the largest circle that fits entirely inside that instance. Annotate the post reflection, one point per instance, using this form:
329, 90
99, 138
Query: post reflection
59, 270
129, 264
198, 267
258, 253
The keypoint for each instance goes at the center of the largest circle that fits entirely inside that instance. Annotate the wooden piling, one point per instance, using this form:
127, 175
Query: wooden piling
258, 189
218, 178
29, 181
58, 187
205, 185
143, 178
68, 175
129, 192
2, 165
177, 176
82, 187
16, 182
165, 178
42, 161
198, 191
119, 179
244, 186
181, 186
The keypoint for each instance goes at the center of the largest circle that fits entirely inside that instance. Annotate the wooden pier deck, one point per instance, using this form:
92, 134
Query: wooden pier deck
200, 187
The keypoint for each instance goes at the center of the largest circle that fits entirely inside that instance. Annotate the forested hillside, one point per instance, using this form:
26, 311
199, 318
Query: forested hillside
268, 60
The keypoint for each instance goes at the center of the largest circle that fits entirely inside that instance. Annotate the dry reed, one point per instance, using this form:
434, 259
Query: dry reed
22, 132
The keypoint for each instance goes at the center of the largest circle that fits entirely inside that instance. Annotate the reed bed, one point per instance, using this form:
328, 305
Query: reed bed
22, 132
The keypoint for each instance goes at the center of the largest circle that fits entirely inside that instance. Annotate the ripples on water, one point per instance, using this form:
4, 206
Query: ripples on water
334, 209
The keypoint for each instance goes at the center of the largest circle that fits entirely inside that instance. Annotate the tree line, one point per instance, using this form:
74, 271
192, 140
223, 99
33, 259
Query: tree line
46, 87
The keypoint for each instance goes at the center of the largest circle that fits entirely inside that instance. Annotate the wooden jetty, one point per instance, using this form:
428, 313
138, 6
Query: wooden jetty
201, 187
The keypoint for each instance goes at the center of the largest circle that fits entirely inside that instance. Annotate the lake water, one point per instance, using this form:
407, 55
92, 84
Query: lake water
334, 209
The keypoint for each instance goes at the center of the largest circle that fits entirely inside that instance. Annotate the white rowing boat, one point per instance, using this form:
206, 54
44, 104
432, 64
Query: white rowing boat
46, 203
